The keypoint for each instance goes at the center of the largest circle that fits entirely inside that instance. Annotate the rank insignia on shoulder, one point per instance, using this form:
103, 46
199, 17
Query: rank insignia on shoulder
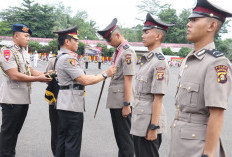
221, 73
215, 53
128, 59
159, 56
6, 54
160, 75
126, 46
72, 62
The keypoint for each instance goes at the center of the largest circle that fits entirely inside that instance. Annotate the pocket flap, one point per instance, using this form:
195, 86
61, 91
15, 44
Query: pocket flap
141, 78
142, 110
193, 133
191, 87
116, 89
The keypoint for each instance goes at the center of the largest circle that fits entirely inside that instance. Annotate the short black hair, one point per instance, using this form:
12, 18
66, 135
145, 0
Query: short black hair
61, 40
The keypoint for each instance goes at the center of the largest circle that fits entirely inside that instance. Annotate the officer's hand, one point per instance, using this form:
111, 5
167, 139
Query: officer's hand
151, 135
112, 70
126, 110
43, 78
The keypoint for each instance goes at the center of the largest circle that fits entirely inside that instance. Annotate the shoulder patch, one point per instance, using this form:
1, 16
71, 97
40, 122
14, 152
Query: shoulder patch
72, 62
126, 46
128, 59
221, 73
6, 54
215, 53
159, 56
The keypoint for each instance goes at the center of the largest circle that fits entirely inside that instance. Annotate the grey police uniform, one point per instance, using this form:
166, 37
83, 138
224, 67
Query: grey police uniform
12, 91
204, 81
14, 97
73, 98
70, 105
152, 78
126, 64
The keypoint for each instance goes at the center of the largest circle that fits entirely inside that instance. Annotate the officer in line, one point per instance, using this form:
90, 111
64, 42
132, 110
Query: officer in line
71, 101
99, 60
86, 60
120, 89
149, 116
15, 87
204, 87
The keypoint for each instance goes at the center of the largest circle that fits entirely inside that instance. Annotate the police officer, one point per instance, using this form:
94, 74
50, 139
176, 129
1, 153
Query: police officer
86, 60
149, 116
99, 60
71, 101
15, 87
204, 86
120, 89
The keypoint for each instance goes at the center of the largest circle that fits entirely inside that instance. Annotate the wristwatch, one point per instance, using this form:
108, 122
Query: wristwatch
153, 127
125, 103
204, 155
104, 75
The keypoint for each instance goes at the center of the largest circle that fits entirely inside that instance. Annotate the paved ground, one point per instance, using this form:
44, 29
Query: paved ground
98, 138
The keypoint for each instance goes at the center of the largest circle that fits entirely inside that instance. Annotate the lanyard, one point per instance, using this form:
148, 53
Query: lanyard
119, 51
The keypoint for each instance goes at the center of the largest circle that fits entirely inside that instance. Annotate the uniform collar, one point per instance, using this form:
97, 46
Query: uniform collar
64, 50
118, 48
200, 54
150, 55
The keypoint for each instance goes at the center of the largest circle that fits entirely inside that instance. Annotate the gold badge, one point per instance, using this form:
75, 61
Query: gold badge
128, 59
25, 29
160, 75
221, 73
73, 62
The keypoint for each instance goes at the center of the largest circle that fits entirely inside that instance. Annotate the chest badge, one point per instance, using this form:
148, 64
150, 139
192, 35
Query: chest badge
6, 54
221, 73
128, 59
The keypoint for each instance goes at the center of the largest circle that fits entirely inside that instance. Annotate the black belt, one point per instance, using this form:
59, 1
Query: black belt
75, 87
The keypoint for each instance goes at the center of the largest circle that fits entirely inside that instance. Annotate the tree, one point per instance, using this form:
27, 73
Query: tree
34, 45
184, 51
133, 34
168, 51
5, 28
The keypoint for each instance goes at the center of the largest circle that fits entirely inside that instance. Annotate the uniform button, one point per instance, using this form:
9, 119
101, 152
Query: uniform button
186, 66
174, 125
141, 63
189, 88
180, 86
193, 135
142, 110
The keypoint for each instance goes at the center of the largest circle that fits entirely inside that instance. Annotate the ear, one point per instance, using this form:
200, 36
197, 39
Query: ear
66, 42
212, 26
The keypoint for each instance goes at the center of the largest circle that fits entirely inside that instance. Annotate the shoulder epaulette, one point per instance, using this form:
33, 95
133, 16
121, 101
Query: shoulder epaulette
126, 46
160, 56
215, 53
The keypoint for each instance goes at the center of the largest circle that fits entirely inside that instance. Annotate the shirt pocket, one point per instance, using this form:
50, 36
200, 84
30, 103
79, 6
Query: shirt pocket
16, 84
143, 84
188, 94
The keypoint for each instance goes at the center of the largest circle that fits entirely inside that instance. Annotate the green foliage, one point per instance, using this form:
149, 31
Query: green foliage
133, 34
105, 51
81, 48
225, 46
184, 51
5, 29
34, 45
168, 51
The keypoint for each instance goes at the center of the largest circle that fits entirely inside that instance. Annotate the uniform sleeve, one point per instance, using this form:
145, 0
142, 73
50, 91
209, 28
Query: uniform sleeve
160, 78
129, 62
50, 65
72, 67
218, 84
8, 60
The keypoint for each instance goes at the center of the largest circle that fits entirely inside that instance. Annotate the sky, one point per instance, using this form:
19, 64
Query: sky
103, 11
